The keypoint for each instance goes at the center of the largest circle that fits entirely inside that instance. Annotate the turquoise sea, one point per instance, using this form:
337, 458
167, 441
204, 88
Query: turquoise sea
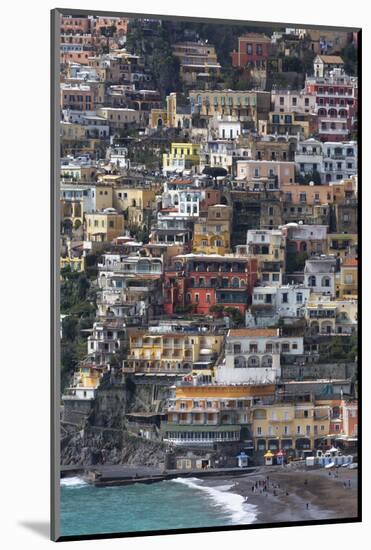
176, 504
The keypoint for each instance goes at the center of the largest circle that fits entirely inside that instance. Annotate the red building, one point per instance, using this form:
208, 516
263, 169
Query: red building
336, 105
253, 51
75, 25
203, 281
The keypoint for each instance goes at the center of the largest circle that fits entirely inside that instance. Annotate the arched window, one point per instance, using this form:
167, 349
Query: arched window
239, 362
312, 281
267, 361
253, 362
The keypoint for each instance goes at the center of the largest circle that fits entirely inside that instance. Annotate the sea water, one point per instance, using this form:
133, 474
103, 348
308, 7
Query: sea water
173, 504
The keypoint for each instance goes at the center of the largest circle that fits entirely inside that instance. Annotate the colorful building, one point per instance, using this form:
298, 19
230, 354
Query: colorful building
182, 156
212, 234
209, 414
200, 281
104, 226
174, 353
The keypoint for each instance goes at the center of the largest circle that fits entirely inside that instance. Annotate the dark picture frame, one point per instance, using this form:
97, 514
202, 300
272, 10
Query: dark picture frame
56, 534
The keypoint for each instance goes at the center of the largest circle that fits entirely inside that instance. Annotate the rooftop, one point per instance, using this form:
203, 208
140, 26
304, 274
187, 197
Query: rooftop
331, 58
254, 332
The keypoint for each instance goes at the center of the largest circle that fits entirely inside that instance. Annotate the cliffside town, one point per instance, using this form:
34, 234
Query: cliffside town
208, 230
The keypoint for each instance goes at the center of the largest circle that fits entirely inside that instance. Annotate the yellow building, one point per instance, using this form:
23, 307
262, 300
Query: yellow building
172, 352
268, 247
290, 123
72, 212
212, 234
71, 131
182, 156
103, 196
72, 172
176, 114
211, 414
342, 244
348, 282
86, 380
289, 425
75, 264
104, 226
135, 201
198, 61
119, 118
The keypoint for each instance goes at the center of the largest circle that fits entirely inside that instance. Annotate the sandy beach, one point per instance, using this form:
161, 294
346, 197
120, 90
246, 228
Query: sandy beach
288, 495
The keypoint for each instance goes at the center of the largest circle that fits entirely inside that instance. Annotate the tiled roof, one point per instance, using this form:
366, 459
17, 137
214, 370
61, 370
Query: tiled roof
254, 332
350, 262
331, 58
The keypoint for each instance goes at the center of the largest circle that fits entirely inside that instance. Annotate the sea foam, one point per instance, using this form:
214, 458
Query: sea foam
240, 511
75, 482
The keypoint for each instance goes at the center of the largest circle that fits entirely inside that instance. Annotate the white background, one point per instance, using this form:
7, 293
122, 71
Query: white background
24, 218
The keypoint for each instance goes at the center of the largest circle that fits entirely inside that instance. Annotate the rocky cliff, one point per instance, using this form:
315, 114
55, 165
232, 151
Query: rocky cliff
104, 437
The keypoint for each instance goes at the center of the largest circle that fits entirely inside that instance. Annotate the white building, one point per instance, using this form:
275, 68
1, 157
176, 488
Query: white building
319, 275
339, 160
309, 157
227, 127
83, 194
184, 198
253, 356
118, 156
286, 101
271, 303
105, 340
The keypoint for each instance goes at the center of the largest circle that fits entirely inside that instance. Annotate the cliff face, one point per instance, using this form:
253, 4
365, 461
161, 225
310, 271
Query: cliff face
104, 437
106, 446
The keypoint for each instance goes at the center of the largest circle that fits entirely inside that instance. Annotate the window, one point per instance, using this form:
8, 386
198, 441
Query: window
197, 297
249, 49
285, 298
303, 197
282, 100
299, 298
276, 277
236, 348
258, 430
